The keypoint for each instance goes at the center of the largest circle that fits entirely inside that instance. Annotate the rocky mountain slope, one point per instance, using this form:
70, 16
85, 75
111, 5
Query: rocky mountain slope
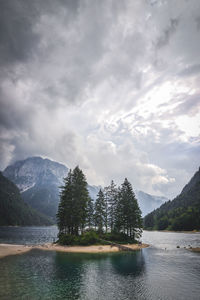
35, 171
13, 210
39, 180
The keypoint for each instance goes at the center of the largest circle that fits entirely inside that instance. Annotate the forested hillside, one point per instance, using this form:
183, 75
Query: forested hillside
182, 213
13, 210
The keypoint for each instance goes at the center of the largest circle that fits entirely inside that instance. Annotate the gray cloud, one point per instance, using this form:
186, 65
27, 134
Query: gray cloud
17, 39
190, 71
164, 39
102, 84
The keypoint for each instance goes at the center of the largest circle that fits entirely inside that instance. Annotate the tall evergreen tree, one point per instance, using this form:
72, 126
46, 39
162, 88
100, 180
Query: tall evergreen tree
72, 210
100, 211
105, 192
80, 199
64, 218
90, 213
129, 219
111, 197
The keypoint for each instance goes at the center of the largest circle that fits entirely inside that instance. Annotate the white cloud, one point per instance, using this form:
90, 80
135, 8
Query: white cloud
110, 85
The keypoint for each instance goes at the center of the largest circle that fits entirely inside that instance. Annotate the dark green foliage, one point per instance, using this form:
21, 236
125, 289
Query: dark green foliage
117, 237
183, 213
72, 210
90, 222
13, 210
44, 199
111, 196
100, 212
115, 216
195, 179
128, 215
89, 238
65, 208
86, 239
66, 239
80, 197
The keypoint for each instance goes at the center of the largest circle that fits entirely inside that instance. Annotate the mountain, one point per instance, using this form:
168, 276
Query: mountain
148, 202
93, 191
39, 179
195, 179
182, 213
35, 171
13, 210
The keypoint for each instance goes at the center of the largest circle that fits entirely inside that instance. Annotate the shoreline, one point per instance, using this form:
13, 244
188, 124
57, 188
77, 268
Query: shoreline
195, 249
173, 231
11, 249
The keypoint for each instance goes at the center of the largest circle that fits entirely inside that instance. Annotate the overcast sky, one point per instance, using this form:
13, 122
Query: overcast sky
113, 86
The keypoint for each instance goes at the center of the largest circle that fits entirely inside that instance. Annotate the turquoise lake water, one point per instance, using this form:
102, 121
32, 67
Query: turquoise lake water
159, 272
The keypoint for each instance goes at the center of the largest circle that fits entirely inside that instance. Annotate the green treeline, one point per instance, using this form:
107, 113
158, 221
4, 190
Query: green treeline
115, 215
183, 213
14, 211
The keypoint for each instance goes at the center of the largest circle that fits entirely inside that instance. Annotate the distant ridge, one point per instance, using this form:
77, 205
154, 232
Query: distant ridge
182, 213
195, 179
149, 202
13, 210
39, 179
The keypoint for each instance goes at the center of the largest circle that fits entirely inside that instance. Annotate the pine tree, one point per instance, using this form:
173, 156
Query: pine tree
100, 212
90, 213
80, 199
129, 220
72, 210
111, 197
64, 220
106, 208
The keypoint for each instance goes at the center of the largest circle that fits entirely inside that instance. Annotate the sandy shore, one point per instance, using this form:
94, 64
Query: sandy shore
8, 249
195, 249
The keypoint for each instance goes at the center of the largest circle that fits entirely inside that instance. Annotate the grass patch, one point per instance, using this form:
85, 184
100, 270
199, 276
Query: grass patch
93, 238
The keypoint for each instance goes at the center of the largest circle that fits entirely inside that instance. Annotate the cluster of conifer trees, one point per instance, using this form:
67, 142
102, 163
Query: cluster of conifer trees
115, 209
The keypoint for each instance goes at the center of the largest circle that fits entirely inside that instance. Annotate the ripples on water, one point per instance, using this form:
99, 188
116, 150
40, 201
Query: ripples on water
153, 273
28, 235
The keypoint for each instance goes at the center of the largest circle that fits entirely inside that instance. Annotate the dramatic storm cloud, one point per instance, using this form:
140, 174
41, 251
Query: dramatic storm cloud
110, 85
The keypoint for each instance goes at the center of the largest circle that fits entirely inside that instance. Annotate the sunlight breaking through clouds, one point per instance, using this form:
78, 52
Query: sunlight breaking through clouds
110, 85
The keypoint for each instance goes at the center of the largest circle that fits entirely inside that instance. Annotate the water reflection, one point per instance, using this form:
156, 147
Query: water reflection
132, 263
29, 235
153, 273
53, 275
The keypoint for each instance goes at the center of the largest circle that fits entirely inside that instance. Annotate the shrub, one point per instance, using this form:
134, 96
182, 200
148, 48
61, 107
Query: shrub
86, 239
117, 237
89, 238
66, 239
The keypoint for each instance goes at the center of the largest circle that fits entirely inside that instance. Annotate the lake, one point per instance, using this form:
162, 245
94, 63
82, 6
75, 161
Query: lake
159, 272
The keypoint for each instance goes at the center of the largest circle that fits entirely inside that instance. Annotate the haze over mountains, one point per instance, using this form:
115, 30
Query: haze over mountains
39, 180
182, 213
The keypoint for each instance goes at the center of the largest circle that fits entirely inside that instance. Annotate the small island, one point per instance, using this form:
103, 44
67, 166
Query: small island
112, 223
114, 218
